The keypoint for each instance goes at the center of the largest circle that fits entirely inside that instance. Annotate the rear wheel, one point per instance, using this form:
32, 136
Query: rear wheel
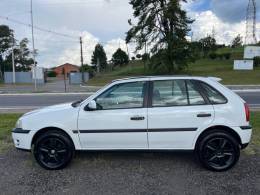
53, 150
218, 150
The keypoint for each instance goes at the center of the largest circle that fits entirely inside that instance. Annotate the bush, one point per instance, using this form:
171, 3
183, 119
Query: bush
226, 55
52, 74
213, 56
257, 61
220, 56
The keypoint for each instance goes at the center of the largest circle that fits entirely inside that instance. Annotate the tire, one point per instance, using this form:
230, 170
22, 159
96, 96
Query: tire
53, 150
217, 150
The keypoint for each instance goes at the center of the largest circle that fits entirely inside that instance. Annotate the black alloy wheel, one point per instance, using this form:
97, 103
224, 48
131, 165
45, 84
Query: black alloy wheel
53, 150
218, 151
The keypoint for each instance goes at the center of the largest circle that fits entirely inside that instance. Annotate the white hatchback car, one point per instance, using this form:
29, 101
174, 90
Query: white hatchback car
145, 113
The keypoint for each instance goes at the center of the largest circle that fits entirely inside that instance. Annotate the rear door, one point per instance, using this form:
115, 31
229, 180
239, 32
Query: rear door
177, 111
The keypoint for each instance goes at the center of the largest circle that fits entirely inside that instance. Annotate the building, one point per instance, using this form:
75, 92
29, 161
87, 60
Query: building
66, 69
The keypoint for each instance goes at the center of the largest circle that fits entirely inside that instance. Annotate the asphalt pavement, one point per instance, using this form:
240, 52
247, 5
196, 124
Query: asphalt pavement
25, 102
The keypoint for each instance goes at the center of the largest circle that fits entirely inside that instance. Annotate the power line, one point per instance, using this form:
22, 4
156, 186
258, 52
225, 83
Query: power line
38, 28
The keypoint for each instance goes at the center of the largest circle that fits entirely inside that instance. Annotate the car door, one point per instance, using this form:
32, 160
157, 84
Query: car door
120, 122
178, 110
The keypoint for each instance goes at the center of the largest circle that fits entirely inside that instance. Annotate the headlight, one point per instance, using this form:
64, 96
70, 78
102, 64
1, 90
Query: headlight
19, 124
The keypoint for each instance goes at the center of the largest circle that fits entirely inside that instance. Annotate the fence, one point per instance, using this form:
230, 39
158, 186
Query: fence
76, 77
20, 77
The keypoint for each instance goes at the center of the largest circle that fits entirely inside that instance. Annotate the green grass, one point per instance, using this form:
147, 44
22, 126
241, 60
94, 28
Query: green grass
202, 67
236, 53
224, 70
7, 123
255, 122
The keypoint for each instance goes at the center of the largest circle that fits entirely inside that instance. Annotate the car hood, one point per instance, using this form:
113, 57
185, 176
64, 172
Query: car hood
54, 108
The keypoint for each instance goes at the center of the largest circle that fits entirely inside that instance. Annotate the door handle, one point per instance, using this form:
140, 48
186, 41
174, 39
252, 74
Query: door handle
137, 118
204, 115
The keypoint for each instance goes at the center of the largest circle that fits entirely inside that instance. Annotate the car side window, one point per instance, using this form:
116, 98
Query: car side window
169, 93
214, 96
122, 96
195, 97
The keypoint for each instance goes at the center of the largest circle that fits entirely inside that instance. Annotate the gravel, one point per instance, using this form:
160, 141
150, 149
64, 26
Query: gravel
127, 173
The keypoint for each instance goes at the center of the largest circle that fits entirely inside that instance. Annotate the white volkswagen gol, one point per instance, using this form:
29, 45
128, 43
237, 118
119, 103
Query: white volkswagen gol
146, 113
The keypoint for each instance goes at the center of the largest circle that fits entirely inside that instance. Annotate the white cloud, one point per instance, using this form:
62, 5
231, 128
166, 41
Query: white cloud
72, 55
225, 32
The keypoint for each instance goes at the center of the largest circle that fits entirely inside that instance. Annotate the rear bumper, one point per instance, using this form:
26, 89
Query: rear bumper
243, 146
245, 134
22, 138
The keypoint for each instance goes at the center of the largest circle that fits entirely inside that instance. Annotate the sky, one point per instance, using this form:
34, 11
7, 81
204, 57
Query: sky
105, 22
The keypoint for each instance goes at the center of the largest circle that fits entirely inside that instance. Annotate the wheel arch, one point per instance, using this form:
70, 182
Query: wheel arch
219, 127
48, 129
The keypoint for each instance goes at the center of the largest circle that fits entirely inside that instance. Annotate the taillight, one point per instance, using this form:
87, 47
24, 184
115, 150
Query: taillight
247, 112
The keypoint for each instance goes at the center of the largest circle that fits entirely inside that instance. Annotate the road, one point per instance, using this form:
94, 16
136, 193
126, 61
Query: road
24, 102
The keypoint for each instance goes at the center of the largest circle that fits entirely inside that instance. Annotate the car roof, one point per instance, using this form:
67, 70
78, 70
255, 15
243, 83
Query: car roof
164, 77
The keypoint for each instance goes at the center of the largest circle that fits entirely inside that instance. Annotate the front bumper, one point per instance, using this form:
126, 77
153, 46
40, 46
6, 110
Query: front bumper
22, 138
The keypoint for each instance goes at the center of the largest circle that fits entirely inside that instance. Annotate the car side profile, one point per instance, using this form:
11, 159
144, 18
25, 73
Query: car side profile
143, 113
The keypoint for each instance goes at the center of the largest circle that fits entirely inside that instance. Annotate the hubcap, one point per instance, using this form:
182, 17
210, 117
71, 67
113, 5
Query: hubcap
52, 152
219, 153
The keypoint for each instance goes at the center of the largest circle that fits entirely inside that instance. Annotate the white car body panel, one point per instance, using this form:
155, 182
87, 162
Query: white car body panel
72, 120
107, 120
178, 118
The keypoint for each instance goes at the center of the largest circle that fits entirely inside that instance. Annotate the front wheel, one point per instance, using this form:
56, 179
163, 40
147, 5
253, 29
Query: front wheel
53, 150
218, 151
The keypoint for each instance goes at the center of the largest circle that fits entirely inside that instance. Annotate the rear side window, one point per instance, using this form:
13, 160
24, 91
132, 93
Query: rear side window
214, 96
195, 96
170, 93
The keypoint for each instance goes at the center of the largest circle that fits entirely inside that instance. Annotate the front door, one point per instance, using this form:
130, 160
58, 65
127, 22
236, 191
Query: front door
177, 112
120, 122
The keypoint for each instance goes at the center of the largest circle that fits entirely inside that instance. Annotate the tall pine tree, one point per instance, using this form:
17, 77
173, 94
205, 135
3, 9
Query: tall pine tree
99, 53
162, 25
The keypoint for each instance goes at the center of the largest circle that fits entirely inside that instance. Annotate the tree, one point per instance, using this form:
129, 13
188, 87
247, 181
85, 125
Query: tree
89, 69
6, 43
99, 54
120, 58
22, 57
237, 41
6, 39
163, 25
208, 45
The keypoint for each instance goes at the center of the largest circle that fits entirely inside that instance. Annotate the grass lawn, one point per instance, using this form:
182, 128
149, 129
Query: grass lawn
7, 123
202, 67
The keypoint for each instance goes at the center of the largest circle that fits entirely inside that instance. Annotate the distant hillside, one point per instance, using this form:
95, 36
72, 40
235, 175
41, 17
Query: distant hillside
203, 67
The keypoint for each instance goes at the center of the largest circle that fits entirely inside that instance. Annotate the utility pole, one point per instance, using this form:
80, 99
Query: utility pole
191, 36
81, 59
34, 63
13, 63
128, 55
98, 66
